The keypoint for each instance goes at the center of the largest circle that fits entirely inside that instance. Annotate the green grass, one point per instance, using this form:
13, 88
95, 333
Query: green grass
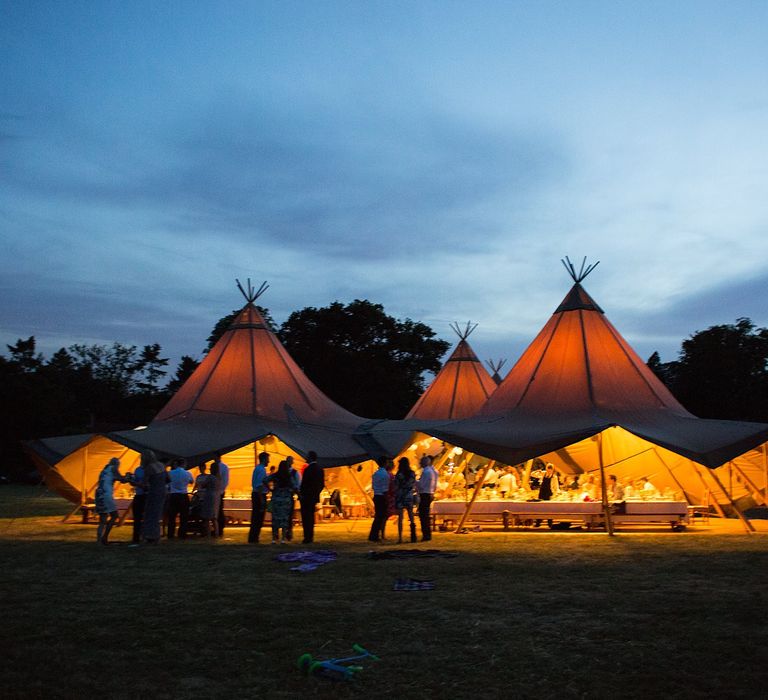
530, 614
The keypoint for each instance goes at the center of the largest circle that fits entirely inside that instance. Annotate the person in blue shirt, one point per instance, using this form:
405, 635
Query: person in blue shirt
179, 481
258, 497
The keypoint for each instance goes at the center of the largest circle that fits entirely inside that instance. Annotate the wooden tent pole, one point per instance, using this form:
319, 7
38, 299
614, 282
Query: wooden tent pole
478, 486
671, 473
748, 526
604, 487
367, 498
719, 510
85, 469
442, 459
752, 485
765, 466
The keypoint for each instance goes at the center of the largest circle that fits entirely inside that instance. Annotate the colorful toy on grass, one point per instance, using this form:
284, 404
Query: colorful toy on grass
343, 669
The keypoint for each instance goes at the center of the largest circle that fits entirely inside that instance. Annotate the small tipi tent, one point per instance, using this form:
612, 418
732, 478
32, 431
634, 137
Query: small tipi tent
461, 386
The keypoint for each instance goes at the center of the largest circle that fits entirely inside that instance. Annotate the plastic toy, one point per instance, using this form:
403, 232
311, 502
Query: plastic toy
343, 669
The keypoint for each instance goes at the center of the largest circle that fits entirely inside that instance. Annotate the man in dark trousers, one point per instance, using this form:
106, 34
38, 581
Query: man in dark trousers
312, 483
258, 497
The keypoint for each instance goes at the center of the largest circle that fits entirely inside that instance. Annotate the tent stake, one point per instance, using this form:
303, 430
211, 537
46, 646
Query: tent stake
606, 505
478, 486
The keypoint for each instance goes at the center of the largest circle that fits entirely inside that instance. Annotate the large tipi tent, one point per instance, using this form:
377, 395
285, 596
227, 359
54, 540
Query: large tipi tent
581, 397
246, 396
461, 386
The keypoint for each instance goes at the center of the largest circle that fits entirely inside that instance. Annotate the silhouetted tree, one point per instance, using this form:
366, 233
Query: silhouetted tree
666, 371
184, 371
368, 362
722, 372
150, 365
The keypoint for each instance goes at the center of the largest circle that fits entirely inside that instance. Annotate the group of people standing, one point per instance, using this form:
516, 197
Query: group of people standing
398, 493
284, 485
162, 494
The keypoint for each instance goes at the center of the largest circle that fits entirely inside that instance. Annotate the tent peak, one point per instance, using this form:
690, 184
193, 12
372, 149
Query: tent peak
252, 294
496, 365
585, 269
465, 333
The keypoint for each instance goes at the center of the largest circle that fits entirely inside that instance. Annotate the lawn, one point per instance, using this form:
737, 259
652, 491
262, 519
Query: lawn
519, 614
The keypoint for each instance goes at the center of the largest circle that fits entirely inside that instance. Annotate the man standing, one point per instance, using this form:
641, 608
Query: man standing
380, 485
258, 497
139, 501
179, 481
223, 484
312, 483
548, 487
426, 487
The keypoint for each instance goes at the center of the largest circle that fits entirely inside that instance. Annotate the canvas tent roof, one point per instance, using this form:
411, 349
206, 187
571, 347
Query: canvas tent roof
578, 377
246, 389
460, 388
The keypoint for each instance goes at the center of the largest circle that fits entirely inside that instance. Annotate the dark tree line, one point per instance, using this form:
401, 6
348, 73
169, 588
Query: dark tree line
721, 372
365, 360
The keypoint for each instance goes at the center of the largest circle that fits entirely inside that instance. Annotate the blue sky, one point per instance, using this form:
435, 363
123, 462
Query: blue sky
439, 158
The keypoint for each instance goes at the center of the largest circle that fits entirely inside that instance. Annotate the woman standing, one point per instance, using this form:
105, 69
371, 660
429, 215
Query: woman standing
283, 489
207, 486
105, 499
155, 480
405, 485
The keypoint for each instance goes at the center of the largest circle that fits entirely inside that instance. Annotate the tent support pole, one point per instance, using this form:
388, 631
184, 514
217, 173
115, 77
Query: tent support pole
716, 505
748, 526
751, 483
604, 487
526, 475
83, 493
367, 498
765, 466
674, 478
444, 457
478, 486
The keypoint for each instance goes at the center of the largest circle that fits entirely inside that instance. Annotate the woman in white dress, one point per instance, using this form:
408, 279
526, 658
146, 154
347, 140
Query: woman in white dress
105, 499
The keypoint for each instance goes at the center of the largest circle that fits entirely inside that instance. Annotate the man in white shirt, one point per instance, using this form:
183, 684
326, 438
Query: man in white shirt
179, 481
426, 487
258, 497
223, 484
380, 485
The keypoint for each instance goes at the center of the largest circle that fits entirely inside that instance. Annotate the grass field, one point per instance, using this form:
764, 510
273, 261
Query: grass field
528, 614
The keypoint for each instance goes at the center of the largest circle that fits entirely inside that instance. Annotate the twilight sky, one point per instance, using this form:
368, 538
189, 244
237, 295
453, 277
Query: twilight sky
439, 158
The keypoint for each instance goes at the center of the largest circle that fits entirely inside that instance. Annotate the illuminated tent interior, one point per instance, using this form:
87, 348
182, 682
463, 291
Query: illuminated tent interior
246, 396
580, 397
461, 386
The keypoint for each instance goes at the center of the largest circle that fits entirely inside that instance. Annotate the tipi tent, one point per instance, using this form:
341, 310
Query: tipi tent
580, 397
461, 386
247, 395
495, 367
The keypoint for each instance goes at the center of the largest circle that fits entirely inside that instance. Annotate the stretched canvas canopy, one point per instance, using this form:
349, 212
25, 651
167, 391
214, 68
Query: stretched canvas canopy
460, 388
248, 392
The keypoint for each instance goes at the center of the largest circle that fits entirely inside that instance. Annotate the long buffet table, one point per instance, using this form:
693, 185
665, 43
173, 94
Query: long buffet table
589, 514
